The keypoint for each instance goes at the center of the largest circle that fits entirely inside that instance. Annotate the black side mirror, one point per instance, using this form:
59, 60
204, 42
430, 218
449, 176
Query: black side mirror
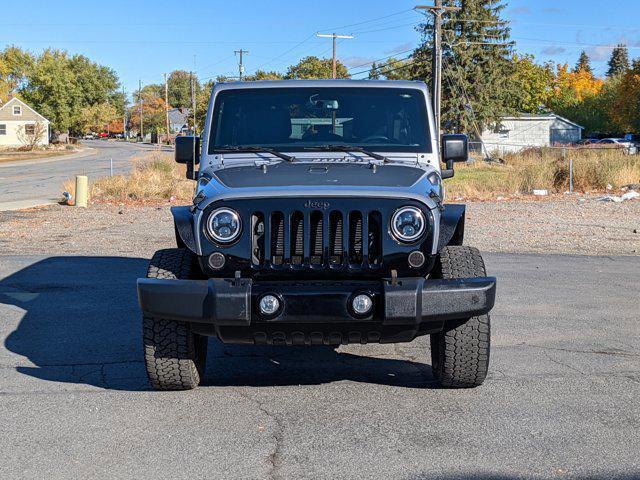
455, 148
186, 147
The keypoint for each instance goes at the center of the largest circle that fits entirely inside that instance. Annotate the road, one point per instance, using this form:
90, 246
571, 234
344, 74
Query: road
35, 182
561, 399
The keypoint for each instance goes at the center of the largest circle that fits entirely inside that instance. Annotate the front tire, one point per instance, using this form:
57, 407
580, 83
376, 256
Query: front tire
460, 354
174, 356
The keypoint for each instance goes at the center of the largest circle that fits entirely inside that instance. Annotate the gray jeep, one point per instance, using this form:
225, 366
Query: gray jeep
318, 219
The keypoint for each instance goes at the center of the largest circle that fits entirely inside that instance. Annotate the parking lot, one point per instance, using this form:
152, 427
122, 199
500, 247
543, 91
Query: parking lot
561, 399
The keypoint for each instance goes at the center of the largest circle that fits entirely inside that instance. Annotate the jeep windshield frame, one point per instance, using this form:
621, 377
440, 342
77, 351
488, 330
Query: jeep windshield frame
290, 119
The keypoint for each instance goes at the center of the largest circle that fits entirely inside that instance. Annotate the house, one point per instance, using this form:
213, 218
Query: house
528, 130
178, 120
21, 125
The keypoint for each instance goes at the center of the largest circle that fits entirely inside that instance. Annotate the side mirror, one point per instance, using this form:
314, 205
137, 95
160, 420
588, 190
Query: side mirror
455, 148
185, 149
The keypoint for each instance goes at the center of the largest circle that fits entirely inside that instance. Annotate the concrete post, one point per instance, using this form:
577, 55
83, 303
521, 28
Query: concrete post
81, 191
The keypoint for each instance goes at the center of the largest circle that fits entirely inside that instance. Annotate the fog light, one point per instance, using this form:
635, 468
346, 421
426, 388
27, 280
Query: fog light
217, 260
362, 304
269, 304
416, 259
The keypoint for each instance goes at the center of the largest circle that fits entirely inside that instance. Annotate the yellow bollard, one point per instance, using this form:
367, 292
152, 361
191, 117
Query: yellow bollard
81, 191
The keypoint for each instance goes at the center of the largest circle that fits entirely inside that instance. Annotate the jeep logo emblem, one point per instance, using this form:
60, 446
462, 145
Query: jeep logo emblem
317, 205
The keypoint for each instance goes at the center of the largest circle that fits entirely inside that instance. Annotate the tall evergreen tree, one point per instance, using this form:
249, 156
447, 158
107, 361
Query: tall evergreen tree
584, 63
477, 82
619, 61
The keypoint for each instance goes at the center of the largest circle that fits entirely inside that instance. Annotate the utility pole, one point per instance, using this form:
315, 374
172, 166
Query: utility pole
436, 71
124, 114
335, 57
140, 106
240, 63
166, 104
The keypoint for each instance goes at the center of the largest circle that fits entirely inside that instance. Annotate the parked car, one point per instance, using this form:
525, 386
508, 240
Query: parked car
629, 147
103, 135
89, 136
309, 226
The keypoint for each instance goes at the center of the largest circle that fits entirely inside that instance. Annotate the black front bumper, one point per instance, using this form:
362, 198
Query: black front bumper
229, 307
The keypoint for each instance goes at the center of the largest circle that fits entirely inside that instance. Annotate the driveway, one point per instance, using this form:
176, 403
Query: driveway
28, 183
561, 399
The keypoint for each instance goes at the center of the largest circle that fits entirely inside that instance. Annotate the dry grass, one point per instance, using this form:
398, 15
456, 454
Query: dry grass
593, 170
155, 177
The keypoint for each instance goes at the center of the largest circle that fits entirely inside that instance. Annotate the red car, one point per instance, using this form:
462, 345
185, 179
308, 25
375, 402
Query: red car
103, 135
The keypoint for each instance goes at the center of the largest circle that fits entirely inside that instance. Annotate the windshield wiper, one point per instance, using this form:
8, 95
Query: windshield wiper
349, 148
241, 149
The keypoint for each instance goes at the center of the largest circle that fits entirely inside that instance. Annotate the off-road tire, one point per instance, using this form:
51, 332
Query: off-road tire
460, 354
174, 356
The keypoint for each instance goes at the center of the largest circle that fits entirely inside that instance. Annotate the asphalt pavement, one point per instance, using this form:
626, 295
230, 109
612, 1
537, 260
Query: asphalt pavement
561, 400
28, 183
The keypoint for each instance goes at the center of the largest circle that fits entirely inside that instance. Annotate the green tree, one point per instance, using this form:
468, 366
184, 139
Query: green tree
179, 86
619, 61
374, 72
264, 75
97, 117
17, 64
584, 63
534, 84
314, 67
392, 69
53, 91
154, 90
96, 83
477, 65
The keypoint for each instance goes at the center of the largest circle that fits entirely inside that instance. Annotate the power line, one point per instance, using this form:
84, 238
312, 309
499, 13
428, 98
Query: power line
369, 21
381, 59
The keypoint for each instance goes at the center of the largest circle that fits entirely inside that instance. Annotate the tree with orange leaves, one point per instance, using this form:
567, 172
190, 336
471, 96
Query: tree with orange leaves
153, 113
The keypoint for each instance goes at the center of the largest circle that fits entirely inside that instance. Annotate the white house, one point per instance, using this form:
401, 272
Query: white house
21, 125
528, 130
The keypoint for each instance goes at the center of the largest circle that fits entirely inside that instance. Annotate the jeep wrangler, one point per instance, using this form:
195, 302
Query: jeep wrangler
318, 219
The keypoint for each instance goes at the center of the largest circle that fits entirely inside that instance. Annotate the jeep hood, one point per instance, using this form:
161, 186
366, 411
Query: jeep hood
306, 179
289, 175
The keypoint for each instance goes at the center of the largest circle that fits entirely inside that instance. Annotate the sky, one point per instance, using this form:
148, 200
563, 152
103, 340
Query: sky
144, 39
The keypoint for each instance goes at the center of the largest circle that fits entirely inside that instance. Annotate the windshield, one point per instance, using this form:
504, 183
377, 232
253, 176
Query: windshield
288, 119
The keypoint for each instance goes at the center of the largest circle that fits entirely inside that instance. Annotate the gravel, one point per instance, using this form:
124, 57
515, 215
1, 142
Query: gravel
575, 225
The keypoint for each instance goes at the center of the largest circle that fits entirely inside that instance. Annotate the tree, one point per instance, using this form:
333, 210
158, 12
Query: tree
153, 113
96, 118
584, 63
52, 89
264, 75
374, 72
619, 61
577, 96
392, 69
31, 134
179, 86
477, 66
534, 83
57, 85
314, 67
625, 106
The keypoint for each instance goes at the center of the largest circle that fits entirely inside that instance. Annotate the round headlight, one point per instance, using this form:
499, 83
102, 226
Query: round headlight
224, 225
408, 224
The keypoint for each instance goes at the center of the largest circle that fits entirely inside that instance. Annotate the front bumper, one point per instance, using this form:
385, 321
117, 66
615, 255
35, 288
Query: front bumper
234, 302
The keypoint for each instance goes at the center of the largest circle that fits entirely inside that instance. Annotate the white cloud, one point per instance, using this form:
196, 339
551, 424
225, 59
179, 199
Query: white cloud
553, 50
400, 48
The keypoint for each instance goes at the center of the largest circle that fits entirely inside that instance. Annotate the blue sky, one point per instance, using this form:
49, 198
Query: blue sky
142, 40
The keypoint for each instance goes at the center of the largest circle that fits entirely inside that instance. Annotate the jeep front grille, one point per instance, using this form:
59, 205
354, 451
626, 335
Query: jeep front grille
317, 239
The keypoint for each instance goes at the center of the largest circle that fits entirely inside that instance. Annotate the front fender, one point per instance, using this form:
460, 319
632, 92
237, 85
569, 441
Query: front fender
183, 222
451, 225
